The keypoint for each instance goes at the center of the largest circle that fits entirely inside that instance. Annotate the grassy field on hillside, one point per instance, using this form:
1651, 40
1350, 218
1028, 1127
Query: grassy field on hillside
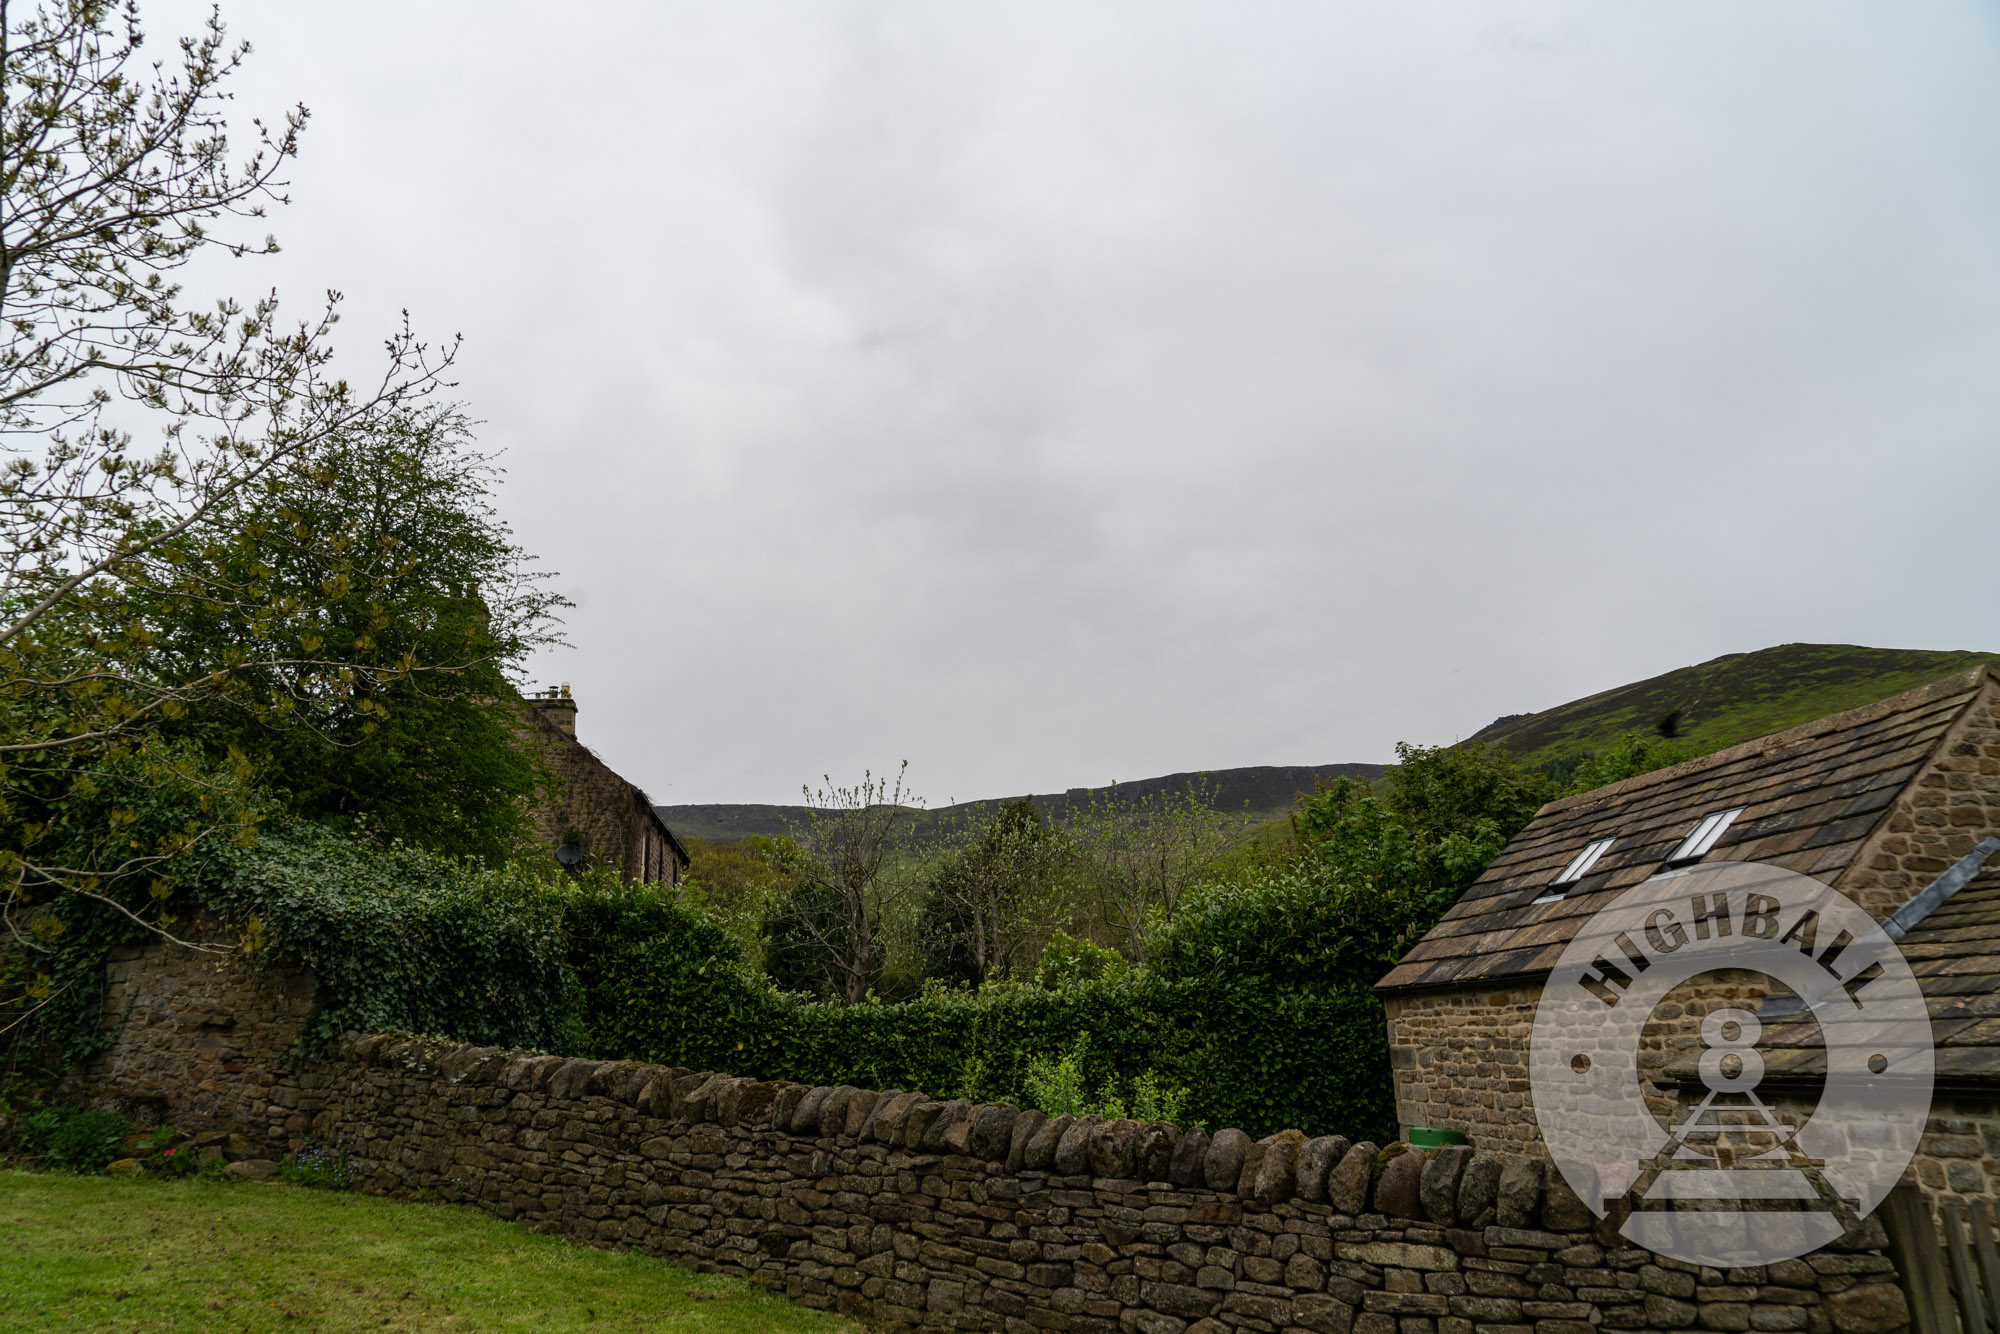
97, 1253
1728, 699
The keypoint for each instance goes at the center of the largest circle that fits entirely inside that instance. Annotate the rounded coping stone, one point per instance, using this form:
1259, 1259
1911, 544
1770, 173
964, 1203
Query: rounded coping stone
1398, 1189
786, 1105
833, 1112
1479, 1190
1073, 1149
621, 1081
572, 1079
749, 1102
1520, 1198
1317, 1157
1185, 1168
890, 1116
992, 1132
1438, 1187
948, 1118
805, 1119
459, 1065
861, 1105
1025, 1126
1347, 1184
1040, 1153
958, 1135
1562, 1209
918, 1123
657, 1098
1157, 1142
1112, 1148
1276, 1178
701, 1102
1224, 1163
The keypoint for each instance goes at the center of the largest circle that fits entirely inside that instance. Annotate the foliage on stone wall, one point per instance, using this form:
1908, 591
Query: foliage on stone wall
397, 937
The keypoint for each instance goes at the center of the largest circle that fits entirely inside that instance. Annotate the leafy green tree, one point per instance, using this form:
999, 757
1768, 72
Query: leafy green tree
738, 883
995, 897
386, 543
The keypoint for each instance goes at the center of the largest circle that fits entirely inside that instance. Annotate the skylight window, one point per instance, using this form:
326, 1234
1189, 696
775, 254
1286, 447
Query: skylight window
1705, 836
1579, 867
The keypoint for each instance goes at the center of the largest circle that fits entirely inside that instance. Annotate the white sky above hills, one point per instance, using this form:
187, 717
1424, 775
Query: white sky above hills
1049, 394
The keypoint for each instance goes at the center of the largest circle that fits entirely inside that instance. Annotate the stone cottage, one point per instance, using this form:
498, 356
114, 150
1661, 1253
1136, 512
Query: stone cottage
595, 816
1879, 802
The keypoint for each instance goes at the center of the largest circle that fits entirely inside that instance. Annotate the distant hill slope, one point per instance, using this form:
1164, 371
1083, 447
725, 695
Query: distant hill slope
1263, 791
1727, 700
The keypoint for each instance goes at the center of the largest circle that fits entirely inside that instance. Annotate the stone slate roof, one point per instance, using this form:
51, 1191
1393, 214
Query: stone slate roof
1955, 953
1813, 795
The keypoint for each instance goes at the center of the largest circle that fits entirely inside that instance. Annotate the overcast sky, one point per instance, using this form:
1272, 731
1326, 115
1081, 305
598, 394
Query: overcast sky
1048, 394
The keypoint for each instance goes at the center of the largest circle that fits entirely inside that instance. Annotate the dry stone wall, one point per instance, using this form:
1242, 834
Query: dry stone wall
911, 1212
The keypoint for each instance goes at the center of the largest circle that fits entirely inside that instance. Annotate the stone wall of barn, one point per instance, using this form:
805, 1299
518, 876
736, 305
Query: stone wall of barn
916, 1213
1937, 820
1459, 1061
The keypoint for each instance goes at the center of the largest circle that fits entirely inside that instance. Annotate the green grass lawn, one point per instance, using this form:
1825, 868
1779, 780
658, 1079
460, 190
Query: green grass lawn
96, 1253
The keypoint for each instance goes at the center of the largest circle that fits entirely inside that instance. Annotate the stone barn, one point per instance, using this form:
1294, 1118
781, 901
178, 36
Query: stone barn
605, 819
1879, 802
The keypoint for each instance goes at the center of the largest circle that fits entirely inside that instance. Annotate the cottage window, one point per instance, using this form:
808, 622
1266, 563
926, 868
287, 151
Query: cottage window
1579, 867
1705, 836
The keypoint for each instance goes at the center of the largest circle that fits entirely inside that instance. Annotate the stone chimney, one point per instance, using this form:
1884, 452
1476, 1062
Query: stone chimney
556, 705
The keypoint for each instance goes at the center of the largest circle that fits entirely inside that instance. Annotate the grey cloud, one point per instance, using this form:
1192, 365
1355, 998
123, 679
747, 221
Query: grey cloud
1054, 393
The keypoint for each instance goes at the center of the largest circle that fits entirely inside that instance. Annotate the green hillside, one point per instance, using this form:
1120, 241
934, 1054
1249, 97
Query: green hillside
1262, 791
1727, 700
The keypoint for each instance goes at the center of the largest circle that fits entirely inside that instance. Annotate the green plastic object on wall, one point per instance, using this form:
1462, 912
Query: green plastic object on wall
1424, 1137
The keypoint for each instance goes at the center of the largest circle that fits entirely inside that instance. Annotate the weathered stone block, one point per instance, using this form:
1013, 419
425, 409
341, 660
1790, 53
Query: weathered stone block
1112, 1148
1224, 1161
1040, 1154
1157, 1141
805, 1117
1277, 1171
1397, 1190
1073, 1150
1347, 1185
991, 1133
1186, 1166
1519, 1198
1317, 1157
1398, 1255
948, 1118
1868, 1308
1025, 1126
1438, 1187
1179, 1299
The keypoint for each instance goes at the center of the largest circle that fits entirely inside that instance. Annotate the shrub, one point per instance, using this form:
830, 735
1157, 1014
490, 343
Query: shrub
73, 1141
1256, 1013
402, 939
1067, 960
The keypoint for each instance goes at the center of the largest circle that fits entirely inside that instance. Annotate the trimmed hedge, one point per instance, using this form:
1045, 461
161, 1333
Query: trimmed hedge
1253, 1005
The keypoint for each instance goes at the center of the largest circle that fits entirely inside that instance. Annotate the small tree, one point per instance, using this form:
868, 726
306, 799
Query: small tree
996, 897
847, 883
1139, 859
